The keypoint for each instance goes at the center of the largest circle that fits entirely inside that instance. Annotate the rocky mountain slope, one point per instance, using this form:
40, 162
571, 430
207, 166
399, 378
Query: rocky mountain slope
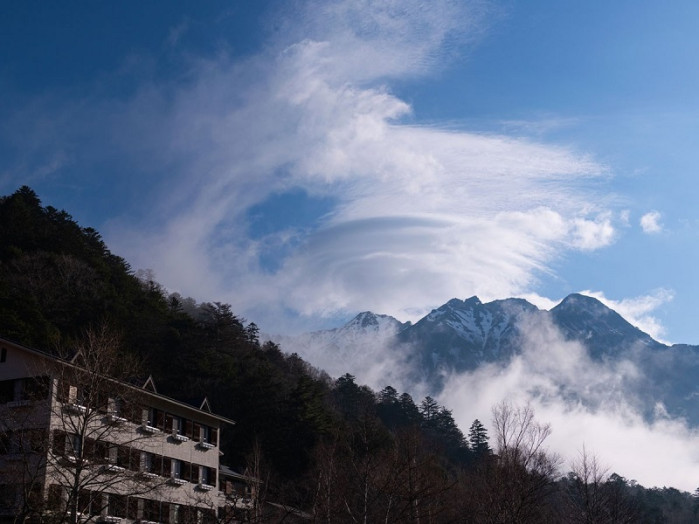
463, 335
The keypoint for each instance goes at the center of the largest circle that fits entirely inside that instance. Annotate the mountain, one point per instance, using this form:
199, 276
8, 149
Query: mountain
356, 346
602, 329
463, 335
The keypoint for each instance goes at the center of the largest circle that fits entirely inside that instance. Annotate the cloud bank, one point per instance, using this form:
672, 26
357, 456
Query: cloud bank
601, 405
587, 403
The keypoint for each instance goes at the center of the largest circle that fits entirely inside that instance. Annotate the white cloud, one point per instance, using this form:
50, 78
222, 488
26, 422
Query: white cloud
589, 235
419, 213
596, 404
624, 215
650, 222
422, 213
554, 374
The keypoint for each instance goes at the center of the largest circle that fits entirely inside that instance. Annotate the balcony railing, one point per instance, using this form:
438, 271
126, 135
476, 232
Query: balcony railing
76, 408
147, 428
177, 481
109, 519
113, 468
113, 418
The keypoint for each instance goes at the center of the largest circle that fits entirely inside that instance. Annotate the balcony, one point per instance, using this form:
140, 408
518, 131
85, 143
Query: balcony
148, 475
70, 459
205, 487
108, 519
75, 408
206, 445
147, 428
176, 481
113, 468
113, 418
178, 437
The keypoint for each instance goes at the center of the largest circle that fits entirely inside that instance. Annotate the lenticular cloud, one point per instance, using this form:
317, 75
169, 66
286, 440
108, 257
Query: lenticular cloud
419, 212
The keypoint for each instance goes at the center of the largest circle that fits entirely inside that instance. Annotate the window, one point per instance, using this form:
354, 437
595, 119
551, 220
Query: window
123, 455
176, 468
175, 514
206, 516
147, 462
6, 442
151, 510
115, 406
23, 441
133, 509
7, 391
89, 502
208, 476
3, 355
56, 497
107, 451
166, 466
193, 472
36, 388
156, 418
24, 389
8, 497
75, 444
59, 442
116, 506
75, 395
187, 473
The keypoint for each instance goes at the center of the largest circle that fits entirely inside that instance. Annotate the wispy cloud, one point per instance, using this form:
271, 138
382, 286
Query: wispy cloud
419, 213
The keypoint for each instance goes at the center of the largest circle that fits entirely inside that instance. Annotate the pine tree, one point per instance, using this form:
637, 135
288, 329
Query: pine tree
478, 439
429, 409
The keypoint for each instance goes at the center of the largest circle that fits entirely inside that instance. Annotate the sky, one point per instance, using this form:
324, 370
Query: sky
305, 161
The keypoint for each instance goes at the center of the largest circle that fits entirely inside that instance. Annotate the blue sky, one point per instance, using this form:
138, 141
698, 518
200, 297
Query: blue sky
305, 161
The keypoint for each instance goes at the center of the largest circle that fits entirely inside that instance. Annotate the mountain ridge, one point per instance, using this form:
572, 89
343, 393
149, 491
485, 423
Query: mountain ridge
462, 335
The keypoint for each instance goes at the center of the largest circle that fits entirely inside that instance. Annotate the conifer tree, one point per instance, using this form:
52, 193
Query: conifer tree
478, 439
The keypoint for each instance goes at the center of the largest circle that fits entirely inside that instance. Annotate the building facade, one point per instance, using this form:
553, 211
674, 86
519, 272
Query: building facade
77, 445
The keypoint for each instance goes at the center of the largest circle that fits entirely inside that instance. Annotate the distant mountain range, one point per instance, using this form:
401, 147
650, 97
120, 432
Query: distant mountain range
463, 335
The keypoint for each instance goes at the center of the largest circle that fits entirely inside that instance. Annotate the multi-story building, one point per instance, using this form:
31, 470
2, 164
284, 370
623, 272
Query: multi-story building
79, 446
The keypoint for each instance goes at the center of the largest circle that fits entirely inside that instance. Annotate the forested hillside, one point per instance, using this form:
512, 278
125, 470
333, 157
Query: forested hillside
331, 447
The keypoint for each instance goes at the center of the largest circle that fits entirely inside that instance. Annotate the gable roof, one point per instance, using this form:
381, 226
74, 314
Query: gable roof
149, 384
